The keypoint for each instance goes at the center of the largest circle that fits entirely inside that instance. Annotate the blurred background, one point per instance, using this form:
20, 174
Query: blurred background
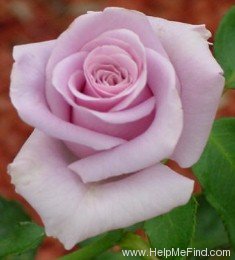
26, 21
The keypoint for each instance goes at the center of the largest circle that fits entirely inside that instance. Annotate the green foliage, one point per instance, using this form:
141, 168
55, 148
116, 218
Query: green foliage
174, 229
216, 172
17, 233
29, 255
225, 47
210, 232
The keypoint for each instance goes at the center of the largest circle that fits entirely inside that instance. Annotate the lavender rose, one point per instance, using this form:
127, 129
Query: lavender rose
113, 96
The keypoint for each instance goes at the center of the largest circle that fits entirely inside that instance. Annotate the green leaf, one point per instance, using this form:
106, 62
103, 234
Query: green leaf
216, 172
224, 47
17, 233
29, 255
174, 229
97, 247
210, 232
92, 240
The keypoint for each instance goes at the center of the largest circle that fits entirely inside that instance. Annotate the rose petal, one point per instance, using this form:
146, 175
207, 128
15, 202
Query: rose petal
160, 22
108, 55
27, 95
126, 124
123, 38
81, 31
131, 96
201, 84
64, 75
155, 144
117, 18
63, 71
73, 211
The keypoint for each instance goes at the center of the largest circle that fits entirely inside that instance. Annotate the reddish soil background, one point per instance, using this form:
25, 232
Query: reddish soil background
25, 21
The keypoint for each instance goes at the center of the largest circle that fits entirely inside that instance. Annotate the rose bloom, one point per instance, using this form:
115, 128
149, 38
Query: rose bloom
110, 98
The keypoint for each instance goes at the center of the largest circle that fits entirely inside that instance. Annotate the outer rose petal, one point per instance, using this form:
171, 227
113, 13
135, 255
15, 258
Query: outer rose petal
201, 84
73, 211
156, 143
27, 94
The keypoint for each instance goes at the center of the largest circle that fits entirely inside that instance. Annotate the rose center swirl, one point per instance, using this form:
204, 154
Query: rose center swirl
109, 70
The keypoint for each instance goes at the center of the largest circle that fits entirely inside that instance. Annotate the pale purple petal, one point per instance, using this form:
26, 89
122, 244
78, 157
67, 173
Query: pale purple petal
128, 97
201, 82
123, 38
63, 71
125, 124
95, 67
27, 95
81, 31
73, 211
155, 144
